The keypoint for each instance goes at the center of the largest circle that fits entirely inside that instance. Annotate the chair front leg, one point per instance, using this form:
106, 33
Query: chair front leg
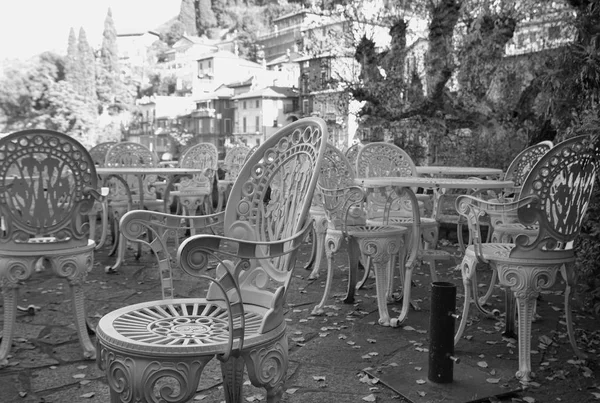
526, 283
12, 271
570, 276
232, 371
267, 367
468, 269
320, 225
333, 241
75, 268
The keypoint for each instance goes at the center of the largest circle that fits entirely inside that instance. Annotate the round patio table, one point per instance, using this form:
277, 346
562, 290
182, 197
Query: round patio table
459, 171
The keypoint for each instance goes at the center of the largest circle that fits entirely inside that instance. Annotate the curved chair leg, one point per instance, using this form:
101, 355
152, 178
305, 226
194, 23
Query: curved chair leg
10, 292
468, 267
313, 247
353, 259
332, 245
483, 300
382, 251
570, 276
232, 371
12, 272
267, 367
526, 284
382, 279
366, 272
320, 225
63, 267
121, 248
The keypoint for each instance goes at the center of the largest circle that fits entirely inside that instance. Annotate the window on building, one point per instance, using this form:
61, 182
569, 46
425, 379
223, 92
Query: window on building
275, 123
258, 103
257, 123
227, 126
244, 125
244, 104
257, 142
554, 33
305, 107
209, 64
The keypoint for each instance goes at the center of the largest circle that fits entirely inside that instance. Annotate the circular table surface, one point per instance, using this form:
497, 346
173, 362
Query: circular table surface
458, 171
147, 171
446, 183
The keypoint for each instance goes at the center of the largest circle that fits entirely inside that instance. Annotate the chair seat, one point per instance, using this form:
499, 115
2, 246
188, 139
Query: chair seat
184, 327
500, 252
517, 228
373, 231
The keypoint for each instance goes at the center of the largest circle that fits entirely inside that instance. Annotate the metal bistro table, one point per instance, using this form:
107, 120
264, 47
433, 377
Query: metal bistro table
172, 174
459, 171
400, 184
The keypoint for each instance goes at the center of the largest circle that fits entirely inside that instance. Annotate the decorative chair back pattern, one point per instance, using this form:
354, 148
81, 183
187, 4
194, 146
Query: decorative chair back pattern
562, 180
340, 197
522, 164
98, 152
290, 159
126, 154
234, 161
203, 156
385, 159
46, 184
351, 154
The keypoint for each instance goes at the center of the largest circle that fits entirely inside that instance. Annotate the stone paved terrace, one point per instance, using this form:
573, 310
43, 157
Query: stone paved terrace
342, 356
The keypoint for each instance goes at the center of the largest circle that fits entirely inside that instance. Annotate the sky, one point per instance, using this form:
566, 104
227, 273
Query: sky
29, 27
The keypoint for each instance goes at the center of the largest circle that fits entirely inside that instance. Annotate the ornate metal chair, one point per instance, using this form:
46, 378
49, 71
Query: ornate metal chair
555, 197
379, 244
125, 190
504, 227
197, 191
386, 159
241, 320
98, 152
48, 184
234, 161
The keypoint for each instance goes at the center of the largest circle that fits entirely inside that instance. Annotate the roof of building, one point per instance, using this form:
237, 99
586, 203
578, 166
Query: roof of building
287, 58
220, 93
269, 92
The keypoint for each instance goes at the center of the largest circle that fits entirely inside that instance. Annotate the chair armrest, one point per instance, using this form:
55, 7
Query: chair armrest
261, 272
473, 209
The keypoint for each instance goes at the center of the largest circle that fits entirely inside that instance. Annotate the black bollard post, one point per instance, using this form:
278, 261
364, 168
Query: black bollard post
441, 332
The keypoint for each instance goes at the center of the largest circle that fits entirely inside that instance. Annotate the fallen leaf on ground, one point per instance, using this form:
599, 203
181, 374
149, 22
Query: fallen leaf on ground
493, 380
318, 378
370, 398
88, 395
291, 391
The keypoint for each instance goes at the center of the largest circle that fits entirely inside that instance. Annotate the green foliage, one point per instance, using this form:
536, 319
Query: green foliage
34, 94
187, 17
206, 17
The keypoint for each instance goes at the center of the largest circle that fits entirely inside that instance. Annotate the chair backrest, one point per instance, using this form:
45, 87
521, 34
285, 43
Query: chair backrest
127, 154
130, 154
522, 164
234, 161
287, 161
383, 159
351, 154
46, 184
98, 152
341, 199
562, 180
203, 156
